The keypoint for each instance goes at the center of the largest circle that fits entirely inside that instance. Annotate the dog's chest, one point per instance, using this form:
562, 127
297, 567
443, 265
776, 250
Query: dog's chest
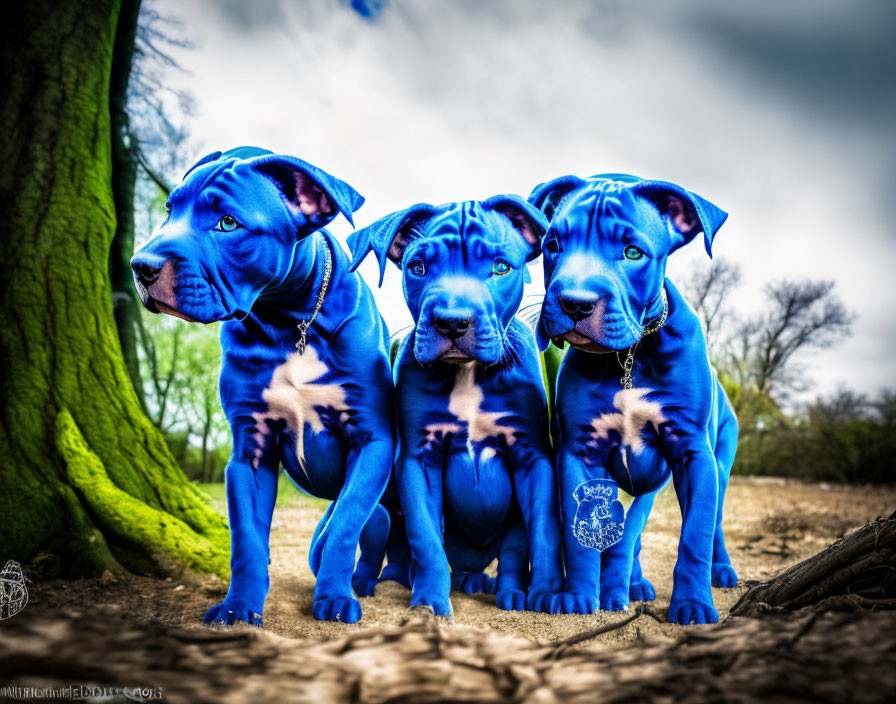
600, 414
634, 417
302, 395
627, 440
473, 423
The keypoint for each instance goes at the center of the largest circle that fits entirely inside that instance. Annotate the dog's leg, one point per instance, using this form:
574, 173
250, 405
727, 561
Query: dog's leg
373, 552
513, 569
251, 494
420, 493
536, 489
639, 588
617, 561
582, 584
467, 562
723, 574
318, 540
367, 471
398, 553
695, 476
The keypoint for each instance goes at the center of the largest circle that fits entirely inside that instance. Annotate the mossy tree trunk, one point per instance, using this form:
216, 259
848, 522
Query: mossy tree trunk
85, 475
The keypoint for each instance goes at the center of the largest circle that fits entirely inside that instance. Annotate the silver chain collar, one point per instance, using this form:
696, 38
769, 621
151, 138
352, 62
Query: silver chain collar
629, 362
305, 324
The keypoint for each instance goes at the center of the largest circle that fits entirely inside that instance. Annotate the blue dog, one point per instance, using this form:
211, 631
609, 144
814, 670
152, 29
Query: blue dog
305, 376
474, 476
637, 399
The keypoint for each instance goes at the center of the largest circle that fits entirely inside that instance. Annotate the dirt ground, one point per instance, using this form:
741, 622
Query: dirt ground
769, 524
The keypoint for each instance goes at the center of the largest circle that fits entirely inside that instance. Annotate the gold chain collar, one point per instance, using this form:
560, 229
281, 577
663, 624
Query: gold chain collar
629, 362
305, 324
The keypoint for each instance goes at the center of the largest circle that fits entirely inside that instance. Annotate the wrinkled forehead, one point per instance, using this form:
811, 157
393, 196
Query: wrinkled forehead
465, 228
231, 179
604, 211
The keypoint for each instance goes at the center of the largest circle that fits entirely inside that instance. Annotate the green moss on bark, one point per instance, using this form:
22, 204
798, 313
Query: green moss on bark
131, 520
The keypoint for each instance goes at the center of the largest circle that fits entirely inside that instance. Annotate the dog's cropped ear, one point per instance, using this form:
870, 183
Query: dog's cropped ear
237, 153
309, 192
526, 219
687, 213
548, 196
214, 156
389, 236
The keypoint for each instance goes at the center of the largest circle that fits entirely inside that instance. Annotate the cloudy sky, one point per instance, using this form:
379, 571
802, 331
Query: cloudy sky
781, 112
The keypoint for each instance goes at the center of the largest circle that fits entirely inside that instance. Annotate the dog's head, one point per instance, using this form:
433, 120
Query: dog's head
464, 265
605, 254
234, 228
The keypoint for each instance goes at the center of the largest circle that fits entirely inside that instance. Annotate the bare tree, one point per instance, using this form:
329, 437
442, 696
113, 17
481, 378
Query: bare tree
708, 290
156, 128
799, 315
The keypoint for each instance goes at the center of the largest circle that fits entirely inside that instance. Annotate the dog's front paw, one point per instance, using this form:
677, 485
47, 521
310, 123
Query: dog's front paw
539, 600
511, 600
364, 586
723, 575
573, 603
641, 591
231, 611
343, 609
440, 606
473, 582
689, 613
612, 600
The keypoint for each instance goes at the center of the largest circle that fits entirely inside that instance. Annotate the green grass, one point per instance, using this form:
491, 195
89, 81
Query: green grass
287, 495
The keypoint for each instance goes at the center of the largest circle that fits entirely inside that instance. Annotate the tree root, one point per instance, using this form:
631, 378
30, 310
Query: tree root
128, 519
858, 572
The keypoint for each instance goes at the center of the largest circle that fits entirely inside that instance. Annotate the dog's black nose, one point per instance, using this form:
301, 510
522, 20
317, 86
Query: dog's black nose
452, 328
576, 307
146, 273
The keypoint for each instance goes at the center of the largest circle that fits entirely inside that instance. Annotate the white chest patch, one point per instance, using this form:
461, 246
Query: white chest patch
294, 397
465, 402
634, 414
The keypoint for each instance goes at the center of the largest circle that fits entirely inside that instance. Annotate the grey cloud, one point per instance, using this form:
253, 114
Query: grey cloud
838, 58
263, 15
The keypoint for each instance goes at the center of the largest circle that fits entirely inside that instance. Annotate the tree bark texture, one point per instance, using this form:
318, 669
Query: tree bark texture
833, 657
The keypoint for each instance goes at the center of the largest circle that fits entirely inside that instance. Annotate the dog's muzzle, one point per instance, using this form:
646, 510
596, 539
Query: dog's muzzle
156, 285
581, 319
457, 331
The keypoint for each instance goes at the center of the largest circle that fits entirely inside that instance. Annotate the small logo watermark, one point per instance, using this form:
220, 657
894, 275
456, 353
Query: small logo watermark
81, 692
13, 592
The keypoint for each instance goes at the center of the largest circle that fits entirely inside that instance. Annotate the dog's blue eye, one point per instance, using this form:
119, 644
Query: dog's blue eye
500, 267
633, 253
227, 223
417, 267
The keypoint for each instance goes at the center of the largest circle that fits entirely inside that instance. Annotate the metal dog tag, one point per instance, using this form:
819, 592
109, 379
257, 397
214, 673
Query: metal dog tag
599, 515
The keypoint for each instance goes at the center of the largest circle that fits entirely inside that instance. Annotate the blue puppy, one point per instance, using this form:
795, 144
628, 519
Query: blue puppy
474, 476
637, 399
305, 377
